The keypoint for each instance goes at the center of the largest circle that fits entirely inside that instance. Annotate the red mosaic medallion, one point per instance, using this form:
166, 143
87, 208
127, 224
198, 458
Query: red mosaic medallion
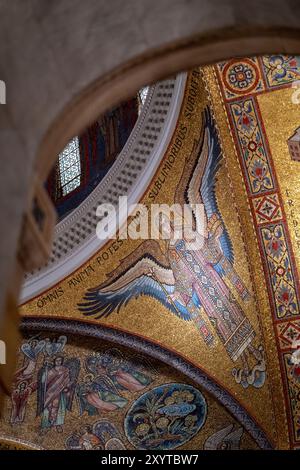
240, 76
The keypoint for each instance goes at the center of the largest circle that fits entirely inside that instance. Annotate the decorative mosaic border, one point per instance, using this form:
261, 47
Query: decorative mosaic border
158, 352
241, 81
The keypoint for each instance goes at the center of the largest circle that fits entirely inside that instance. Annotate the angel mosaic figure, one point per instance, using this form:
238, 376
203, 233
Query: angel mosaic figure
109, 373
56, 386
31, 350
24, 382
19, 399
98, 394
54, 347
197, 285
125, 374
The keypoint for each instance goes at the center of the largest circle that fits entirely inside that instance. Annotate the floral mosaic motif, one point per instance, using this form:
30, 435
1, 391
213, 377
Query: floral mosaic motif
165, 417
252, 146
280, 69
280, 271
240, 76
293, 375
267, 209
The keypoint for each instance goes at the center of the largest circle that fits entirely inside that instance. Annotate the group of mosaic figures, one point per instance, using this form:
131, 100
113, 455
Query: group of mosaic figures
108, 374
56, 382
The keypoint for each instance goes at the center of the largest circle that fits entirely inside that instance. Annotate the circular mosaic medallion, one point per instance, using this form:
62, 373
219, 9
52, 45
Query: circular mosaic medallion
165, 417
240, 76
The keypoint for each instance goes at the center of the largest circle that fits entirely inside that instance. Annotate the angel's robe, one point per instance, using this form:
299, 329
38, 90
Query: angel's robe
26, 372
19, 399
194, 273
97, 396
57, 384
134, 381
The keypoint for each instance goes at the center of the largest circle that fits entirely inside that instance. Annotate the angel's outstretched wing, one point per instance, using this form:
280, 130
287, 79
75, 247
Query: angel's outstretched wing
145, 277
55, 347
104, 382
60, 344
140, 273
203, 177
30, 351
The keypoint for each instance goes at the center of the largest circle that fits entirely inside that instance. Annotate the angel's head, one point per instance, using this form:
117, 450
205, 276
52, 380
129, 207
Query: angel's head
101, 367
175, 222
58, 361
33, 343
88, 378
91, 363
174, 255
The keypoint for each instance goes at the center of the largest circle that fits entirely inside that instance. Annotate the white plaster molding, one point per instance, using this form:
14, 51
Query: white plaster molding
75, 239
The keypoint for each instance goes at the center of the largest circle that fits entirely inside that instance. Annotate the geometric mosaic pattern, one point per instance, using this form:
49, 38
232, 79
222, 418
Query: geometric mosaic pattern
288, 333
267, 209
261, 184
266, 74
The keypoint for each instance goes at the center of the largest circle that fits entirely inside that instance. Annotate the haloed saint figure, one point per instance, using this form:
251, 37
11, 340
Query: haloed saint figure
192, 283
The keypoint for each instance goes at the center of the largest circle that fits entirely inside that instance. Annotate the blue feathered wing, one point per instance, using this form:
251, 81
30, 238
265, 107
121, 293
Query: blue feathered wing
103, 301
202, 184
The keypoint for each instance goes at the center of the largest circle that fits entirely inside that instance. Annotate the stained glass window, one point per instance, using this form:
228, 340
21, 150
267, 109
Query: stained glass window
69, 167
142, 95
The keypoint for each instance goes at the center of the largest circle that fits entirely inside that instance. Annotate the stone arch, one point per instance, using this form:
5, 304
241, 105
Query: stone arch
157, 64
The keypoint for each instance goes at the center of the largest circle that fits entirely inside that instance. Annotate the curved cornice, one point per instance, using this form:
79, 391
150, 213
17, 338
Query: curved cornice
75, 239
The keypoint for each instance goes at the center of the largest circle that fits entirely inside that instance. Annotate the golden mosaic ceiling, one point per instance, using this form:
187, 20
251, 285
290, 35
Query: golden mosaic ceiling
230, 317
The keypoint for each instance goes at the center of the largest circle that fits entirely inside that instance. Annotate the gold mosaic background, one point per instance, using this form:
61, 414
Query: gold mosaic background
146, 317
